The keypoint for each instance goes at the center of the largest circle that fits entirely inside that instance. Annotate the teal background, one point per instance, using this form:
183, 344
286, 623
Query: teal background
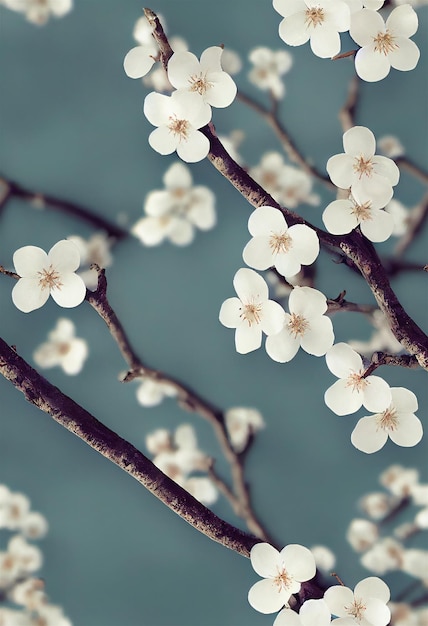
72, 125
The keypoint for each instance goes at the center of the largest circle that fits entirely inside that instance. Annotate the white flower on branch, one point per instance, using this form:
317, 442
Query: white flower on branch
251, 313
275, 244
362, 534
178, 118
43, 274
378, 504
96, 249
415, 563
384, 45
324, 558
305, 326
63, 348
385, 556
391, 146
342, 216
158, 78
397, 421
312, 613
399, 480
282, 573
268, 67
369, 177
366, 605
241, 424
317, 21
204, 78
400, 217
352, 390
174, 212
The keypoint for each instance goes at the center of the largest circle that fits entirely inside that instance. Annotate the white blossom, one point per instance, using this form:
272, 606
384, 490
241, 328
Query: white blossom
305, 326
289, 185
369, 177
378, 504
391, 146
241, 424
204, 78
275, 244
268, 67
96, 249
151, 392
157, 79
173, 213
63, 348
325, 559
397, 421
415, 563
400, 216
178, 118
42, 274
14, 508
282, 573
251, 313
317, 21
399, 480
384, 45
362, 534
342, 216
312, 613
366, 605
352, 390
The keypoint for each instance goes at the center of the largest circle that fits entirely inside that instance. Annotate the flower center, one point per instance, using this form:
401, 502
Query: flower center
200, 84
179, 127
64, 348
314, 16
363, 166
280, 242
356, 381
384, 43
49, 278
362, 211
297, 325
357, 609
388, 420
282, 580
251, 312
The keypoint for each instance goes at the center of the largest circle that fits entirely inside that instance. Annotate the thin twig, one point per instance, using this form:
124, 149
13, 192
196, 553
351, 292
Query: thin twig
399, 360
15, 190
407, 164
39, 392
289, 146
186, 398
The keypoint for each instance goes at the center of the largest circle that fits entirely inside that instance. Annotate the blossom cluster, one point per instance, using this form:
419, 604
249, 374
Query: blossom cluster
39, 12
62, 349
382, 539
382, 44
178, 456
20, 561
283, 574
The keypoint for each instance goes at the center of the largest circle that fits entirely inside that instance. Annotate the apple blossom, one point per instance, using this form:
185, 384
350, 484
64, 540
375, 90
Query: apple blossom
366, 605
325, 559
391, 146
204, 78
353, 390
178, 118
362, 534
378, 504
42, 274
251, 313
319, 21
396, 421
268, 67
342, 216
385, 556
369, 177
151, 392
39, 12
96, 249
282, 572
399, 480
174, 212
400, 217
305, 326
312, 613
63, 348
384, 45
276, 244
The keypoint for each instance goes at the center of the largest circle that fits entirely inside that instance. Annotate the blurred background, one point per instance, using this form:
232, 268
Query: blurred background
72, 126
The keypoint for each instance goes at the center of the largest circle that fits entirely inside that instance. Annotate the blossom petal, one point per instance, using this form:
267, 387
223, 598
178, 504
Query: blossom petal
72, 291
64, 256
306, 245
299, 562
264, 560
307, 301
258, 253
366, 435
409, 431
339, 217
230, 312
379, 227
157, 108
178, 176
272, 317
265, 597
163, 140
266, 219
180, 66
27, 295
371, 65
377, 612
404, 400
373, 587
319, 337
139, 61
325, 42
29, 260
386, 167
377, 394
249, 285
248, 338
283, 346
406, 56
223, 90
337, 598
365, 25
403, 21
343, 399
358, 141
195, 148
342, 360
293, 29
339, 168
